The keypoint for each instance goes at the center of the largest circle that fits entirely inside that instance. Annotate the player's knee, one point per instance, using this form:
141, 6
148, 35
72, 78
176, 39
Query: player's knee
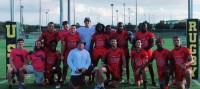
188, 72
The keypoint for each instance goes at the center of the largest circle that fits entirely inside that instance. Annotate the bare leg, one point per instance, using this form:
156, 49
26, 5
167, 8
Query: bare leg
180, 85
188, 77
9, 75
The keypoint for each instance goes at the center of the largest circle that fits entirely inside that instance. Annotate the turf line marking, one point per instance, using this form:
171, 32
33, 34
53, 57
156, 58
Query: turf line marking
196, 82
3, 81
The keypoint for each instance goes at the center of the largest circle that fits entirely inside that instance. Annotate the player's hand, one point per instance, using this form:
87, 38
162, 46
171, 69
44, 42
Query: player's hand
14, 69
76, 71
183, 66
83, 70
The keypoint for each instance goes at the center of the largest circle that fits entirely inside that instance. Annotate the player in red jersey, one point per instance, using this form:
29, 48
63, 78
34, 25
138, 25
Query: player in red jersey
37, 60
49, 35
163, 61
115, 57
52, 64
64, 32
138, 58
18, 57
147, 39
69, 43
182, 57
123, 37
98, 45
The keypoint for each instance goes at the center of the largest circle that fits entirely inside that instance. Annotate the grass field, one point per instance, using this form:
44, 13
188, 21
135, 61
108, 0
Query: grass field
29, 79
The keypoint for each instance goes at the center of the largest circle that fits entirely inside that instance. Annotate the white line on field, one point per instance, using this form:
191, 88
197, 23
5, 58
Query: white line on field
196, 82
3, 81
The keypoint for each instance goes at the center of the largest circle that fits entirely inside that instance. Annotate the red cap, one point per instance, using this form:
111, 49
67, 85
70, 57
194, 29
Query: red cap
159, 40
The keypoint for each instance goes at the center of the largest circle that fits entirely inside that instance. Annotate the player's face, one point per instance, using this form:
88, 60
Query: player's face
73, 30
87, 23
38, 44
108, 29
138, 44
20, 44
144, 28
50, 26
176, 42
120, 26
81, 46
66, 26
159, 44
99, 28
113, 42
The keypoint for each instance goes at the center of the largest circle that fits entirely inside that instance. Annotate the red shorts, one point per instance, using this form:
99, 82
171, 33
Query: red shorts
98, 52
137, 77
65, 58
114, 72
126, 52
179, 74
161, 75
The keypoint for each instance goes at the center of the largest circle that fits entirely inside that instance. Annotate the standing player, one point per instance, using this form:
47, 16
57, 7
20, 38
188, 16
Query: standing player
138, 58
162, 57
147, 39
18, 57
182, 57
69, 43
115, 57
37, 60
52, 64
86, 33
123, 37
98, 45
49, 35
64, 32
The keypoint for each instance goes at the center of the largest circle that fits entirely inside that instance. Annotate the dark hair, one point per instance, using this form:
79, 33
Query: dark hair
73, 25
119, 23
64, 22
20, 39
50, 23
103, 27
113, 37
175, 37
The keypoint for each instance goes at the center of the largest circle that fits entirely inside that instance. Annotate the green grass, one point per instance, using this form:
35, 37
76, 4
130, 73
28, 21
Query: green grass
29, 80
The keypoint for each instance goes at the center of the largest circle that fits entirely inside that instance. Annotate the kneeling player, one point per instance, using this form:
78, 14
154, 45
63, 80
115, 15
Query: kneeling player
52, 64
162, 57
18, 64
36, 58
138, 58
114, 57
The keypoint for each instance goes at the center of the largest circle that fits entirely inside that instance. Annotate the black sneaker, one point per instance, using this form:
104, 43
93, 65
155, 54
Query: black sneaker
13, 81
21, 86
9, 86
154, 84
146, 88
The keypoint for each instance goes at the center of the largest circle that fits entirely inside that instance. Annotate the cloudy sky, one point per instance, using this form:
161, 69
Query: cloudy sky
100, 10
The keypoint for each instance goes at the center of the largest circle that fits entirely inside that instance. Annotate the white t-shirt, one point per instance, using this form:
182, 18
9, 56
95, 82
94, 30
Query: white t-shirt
86, 35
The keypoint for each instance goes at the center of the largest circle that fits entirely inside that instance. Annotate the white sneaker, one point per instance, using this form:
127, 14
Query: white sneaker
122, 81
57, 86
129, 82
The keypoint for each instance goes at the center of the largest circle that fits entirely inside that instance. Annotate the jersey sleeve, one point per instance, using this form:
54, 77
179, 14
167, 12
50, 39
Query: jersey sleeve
12, 53
187, 51
145, 55
151, 35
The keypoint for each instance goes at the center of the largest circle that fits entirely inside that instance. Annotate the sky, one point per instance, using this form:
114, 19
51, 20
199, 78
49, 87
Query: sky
100, 11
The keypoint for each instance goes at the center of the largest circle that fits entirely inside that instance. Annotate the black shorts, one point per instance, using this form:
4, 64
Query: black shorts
78, 80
